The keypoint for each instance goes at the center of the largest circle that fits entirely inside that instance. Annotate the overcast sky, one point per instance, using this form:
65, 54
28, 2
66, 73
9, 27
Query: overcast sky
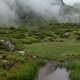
71, 2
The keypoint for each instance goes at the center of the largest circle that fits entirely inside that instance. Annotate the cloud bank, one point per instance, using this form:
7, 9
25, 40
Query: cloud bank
11, 10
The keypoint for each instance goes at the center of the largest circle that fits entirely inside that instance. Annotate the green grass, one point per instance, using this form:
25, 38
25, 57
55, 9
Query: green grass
27, 71
54, 50
74, 66
75, 74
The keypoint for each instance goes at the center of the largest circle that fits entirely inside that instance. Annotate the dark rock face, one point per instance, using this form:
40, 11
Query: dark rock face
57, 2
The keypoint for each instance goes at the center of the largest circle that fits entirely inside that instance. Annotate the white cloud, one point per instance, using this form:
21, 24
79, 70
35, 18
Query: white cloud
71, 2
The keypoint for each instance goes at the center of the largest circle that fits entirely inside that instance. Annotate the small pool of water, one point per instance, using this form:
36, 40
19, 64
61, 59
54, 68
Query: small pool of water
51, 72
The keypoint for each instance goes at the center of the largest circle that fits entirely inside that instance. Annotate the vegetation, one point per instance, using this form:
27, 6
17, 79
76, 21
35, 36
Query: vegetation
54, 50
27, 71
51, 41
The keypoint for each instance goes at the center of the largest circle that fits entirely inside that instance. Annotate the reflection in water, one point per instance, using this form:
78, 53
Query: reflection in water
51, 72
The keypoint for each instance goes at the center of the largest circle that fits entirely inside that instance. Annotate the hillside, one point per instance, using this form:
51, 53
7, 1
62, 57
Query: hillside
66, 14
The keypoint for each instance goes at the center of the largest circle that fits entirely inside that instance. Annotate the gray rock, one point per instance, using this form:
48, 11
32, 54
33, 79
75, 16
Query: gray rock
21, 52
8, 44
1, 56
67, 34
59, 39
5, 61
45, 40
34, 57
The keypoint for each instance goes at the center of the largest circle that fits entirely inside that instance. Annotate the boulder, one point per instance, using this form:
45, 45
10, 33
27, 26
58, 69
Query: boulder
34, 57
8, 44
67, 34
1, 56
5, 61
21, 52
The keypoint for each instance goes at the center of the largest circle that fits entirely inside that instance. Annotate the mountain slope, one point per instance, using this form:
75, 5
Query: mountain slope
67, 13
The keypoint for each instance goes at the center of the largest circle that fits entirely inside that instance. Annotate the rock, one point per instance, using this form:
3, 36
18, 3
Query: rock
1, 56
66, 54
45, 40
2, 41
59, 39
8, 44
5, 61
34, 57
63, 54
21, 52
67, 34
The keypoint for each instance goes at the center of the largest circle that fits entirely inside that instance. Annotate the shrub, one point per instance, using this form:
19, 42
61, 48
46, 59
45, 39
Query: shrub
78, 38
12, 28
22, 29
3, 47
19, 36
29, 40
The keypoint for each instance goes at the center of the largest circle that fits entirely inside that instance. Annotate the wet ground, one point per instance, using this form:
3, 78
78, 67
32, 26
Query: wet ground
51, 71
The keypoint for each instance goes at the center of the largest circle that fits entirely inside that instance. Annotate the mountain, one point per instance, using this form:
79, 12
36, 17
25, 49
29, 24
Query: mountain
67, 13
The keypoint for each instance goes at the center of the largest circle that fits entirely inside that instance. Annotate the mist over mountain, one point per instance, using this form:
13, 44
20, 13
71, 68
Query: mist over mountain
14, 12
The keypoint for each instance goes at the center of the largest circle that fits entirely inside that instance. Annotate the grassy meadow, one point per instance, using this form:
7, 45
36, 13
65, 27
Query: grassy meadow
54, 50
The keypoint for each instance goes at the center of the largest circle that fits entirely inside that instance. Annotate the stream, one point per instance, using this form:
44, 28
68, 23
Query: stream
51, 71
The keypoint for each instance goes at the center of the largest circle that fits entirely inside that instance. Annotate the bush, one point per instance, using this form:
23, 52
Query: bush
22, 29
78, 38
3, 47
29, 40
12, 28
3, 32
19, 36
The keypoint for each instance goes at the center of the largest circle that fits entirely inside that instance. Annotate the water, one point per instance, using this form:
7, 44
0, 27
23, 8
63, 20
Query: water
51, 72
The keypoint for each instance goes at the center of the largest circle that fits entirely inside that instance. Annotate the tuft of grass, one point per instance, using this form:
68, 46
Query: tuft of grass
26, 71
73, 65
75, 75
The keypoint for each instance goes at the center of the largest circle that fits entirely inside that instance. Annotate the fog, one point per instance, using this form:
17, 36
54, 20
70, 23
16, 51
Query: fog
11, 10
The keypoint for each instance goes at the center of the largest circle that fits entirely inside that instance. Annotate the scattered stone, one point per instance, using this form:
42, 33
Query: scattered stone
21, 52
34, 57
8, 44
45, 40
2, 40
59, 39
66, 54
1, 56
5, 61
48, 37
63, 54
67, 34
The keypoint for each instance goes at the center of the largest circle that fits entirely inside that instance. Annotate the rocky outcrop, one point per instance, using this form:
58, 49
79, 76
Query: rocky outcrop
8, 44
